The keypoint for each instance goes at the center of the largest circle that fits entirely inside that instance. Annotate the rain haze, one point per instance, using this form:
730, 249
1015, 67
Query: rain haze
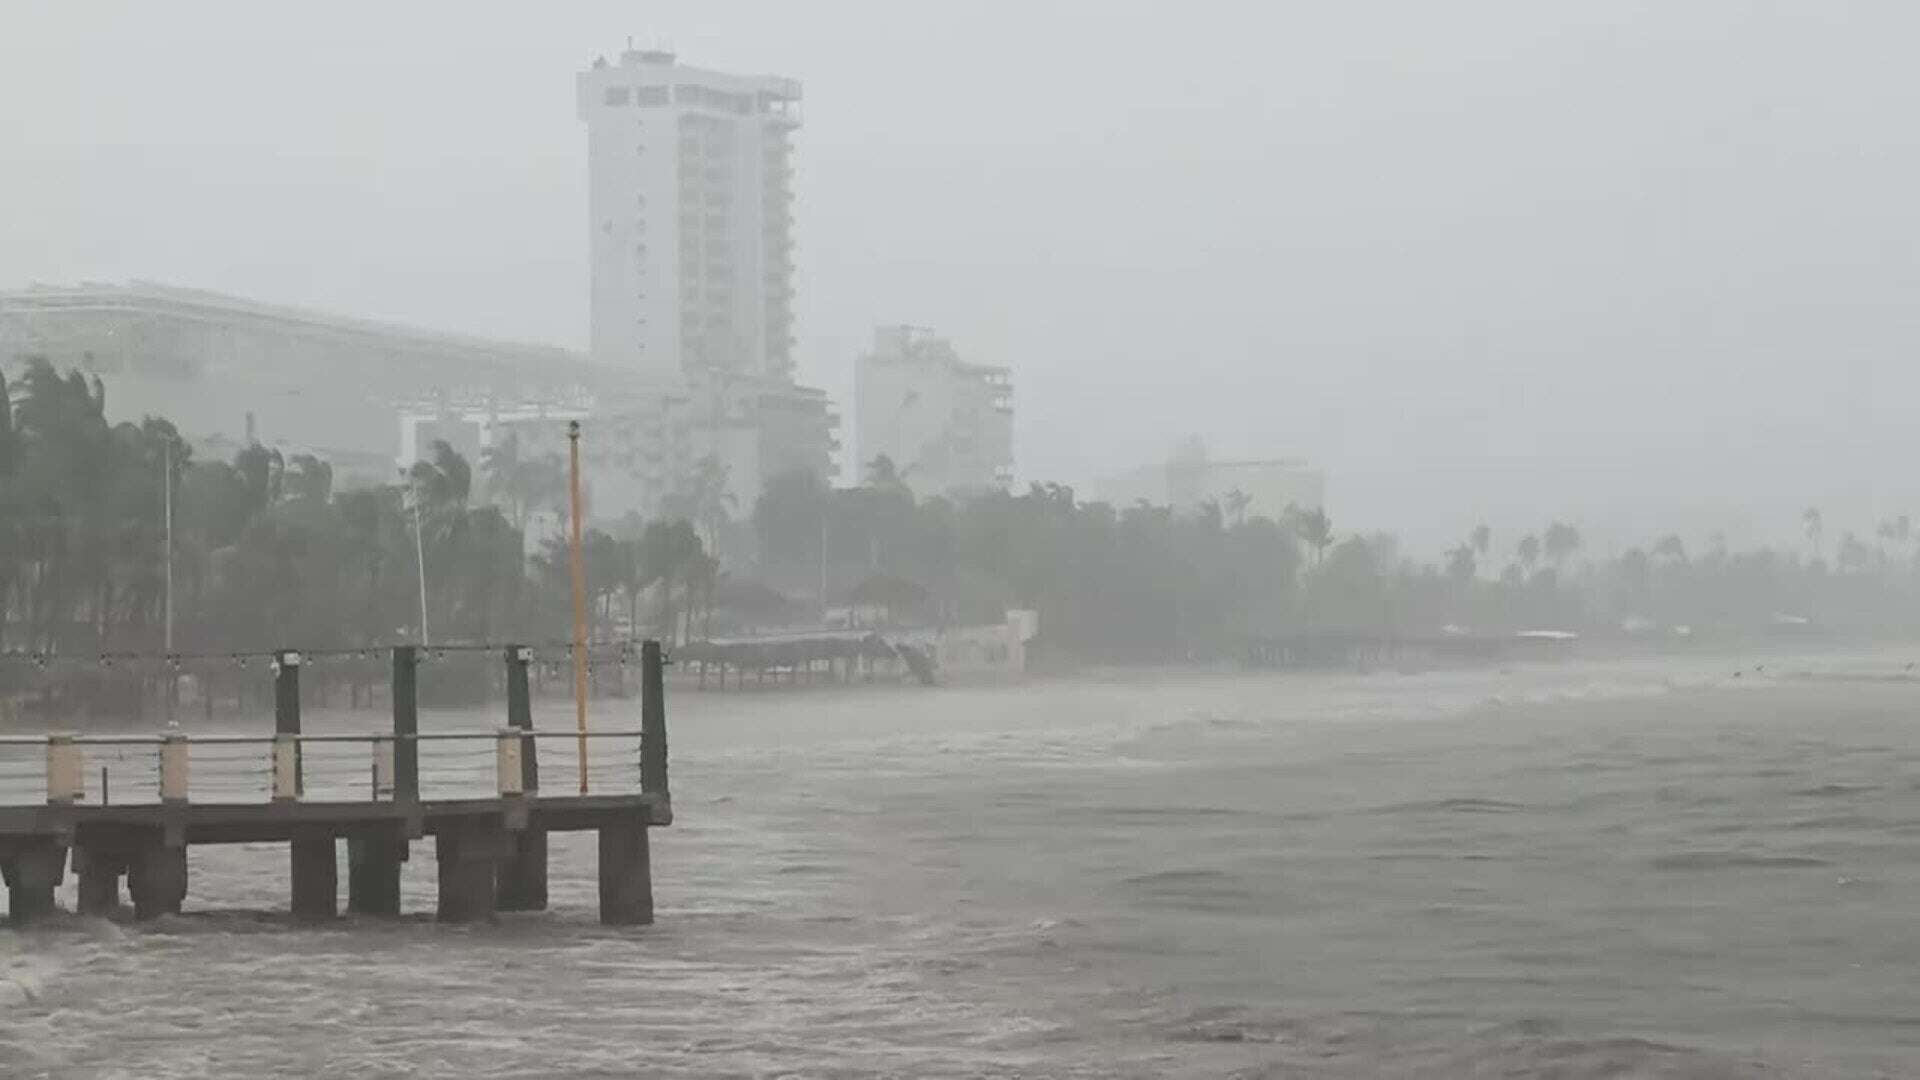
1340, 540
1647, 266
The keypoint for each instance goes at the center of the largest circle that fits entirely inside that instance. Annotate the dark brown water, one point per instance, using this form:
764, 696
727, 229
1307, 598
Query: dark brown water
1636, 869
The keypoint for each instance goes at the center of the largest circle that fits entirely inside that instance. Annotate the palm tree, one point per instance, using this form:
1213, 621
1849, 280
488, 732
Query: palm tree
262, 471
705, 500
520, 485
1897, 531
500, 465
1315, 529
883, 474
1460, 565
1562, 541
1671, 549
1528, 551
444, 479
1810, 521
790, 526
308, 479
668, 551
1235, 503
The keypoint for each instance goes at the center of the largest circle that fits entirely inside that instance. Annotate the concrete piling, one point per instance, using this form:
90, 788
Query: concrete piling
468, 854
157, 878
653, 719
316, 873
286, 706
32, 873
522, 884
406, 725
374, 856
522, 877
99, 871
626, 875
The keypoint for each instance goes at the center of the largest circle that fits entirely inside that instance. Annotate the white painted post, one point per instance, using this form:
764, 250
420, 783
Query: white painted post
66, 770
382, 768
286, 768
507, 753
173, 767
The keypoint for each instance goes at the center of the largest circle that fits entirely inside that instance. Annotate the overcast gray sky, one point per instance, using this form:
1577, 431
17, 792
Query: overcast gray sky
1640, 264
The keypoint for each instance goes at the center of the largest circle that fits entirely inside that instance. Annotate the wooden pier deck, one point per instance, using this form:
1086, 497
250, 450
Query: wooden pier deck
490, 845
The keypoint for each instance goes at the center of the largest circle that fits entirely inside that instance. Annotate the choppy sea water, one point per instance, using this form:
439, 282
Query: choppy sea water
1643, 868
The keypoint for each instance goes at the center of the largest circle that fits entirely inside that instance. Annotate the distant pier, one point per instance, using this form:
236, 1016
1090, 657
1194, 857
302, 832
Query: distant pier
490, 844
1337, 649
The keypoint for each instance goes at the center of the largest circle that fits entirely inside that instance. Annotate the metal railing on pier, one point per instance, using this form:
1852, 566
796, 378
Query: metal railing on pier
144, 770
403, 764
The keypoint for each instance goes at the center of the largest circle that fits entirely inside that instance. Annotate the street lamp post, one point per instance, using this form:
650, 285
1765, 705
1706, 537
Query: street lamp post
419, 556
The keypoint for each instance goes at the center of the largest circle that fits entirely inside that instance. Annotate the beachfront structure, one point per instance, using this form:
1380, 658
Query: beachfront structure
947, 425
227, 370
370, 397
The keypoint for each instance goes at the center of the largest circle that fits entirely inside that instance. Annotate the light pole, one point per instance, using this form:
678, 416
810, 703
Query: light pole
419, 556
166, 498
576, 561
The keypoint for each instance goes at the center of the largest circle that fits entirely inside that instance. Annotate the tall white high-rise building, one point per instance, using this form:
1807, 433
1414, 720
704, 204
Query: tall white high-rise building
690, 219
690, 216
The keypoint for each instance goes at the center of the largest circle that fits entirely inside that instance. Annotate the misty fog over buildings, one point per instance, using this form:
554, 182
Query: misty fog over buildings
1488, 263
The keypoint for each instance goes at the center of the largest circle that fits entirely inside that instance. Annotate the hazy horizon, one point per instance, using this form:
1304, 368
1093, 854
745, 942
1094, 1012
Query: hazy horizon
1639, 266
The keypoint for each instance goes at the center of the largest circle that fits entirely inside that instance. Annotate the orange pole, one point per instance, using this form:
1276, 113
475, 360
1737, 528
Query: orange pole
578, 563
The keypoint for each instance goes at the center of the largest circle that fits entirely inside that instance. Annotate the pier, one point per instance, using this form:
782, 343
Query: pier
1361, 651
832, 655
483, 806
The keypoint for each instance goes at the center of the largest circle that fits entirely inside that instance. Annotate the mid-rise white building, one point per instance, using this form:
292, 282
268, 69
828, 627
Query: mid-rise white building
946, 425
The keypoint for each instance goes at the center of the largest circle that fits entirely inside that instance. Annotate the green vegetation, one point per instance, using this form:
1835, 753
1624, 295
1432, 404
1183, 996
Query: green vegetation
267, 553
